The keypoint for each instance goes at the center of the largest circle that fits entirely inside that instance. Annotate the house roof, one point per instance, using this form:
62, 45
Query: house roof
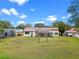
16, 30
41, 30
72, 30
29, 29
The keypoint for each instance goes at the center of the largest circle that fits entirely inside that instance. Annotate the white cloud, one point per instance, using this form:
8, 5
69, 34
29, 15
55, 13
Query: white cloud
23, 16
52, 18
69, 16
19, 2
11, 11
32, 9
20, 22
39, 22
66, 17
63, 17
14, 12
5, 11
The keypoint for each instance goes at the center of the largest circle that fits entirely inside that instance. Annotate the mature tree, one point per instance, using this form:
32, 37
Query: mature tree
62, 26
22, 26
73, 9
12, 27
1, 28
28, 25
6, 24
39, 25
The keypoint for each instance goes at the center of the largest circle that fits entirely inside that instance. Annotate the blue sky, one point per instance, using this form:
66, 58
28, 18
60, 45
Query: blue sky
34, 11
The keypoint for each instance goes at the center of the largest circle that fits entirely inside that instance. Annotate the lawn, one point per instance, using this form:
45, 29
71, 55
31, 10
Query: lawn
29, 48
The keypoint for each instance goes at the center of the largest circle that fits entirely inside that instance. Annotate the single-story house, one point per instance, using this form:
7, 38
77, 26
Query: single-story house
72, 33
18, 32
11, 32
41, 32
7, 33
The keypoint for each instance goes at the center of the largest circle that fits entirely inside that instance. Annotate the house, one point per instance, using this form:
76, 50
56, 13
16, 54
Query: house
41, 32
72, 33
18, 32
7, 33
29, 32
11, 33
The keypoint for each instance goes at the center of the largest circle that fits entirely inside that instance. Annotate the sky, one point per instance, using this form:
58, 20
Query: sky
34, 11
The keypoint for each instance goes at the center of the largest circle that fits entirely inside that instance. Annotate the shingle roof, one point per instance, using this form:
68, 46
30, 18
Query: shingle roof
41, 30
72, 30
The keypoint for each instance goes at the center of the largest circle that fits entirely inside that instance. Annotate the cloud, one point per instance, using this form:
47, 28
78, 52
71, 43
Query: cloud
63, 17
13, 12
52, 18
23, 16
32, 9
69, 15
20, 22
5, 11
39, 22
19, 2
66, 17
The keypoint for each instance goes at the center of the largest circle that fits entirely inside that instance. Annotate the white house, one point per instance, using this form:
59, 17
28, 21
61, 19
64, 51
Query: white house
11, 32
41, 32
72, 33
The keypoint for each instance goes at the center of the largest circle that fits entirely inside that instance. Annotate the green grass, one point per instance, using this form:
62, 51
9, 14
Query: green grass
29, 48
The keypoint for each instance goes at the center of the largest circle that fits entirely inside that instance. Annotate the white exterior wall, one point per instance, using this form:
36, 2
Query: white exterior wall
76, 35
30, 34
69, 34
34, 34
27, 34
53, 33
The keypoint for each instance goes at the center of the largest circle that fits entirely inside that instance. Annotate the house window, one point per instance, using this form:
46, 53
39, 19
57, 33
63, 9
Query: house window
56, 33
27, 32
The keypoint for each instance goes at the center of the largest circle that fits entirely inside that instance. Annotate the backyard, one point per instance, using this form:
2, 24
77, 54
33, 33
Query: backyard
29, 48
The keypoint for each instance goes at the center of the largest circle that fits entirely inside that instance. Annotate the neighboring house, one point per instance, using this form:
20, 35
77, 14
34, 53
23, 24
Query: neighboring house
18, 32
41, 32
29, 32
72, 33
11, 33
7, 33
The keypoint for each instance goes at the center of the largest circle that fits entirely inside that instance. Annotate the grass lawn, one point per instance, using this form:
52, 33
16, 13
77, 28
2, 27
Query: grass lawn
29, 48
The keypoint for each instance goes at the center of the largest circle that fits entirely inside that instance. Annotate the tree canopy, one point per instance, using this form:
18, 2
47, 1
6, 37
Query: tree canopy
62, 26
39, 25
5, 24
73, 9
22, 26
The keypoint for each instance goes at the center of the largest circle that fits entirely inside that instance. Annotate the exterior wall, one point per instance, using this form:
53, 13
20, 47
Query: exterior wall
30, 34
76, 35
54, 33
72, 34
2, 35
33, 34
19, 33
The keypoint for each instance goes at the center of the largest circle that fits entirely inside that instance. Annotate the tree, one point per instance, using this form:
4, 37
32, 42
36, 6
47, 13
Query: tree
39, 25
6, 24
62, 26
28, 25
22, 26
1, 28
73, 9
